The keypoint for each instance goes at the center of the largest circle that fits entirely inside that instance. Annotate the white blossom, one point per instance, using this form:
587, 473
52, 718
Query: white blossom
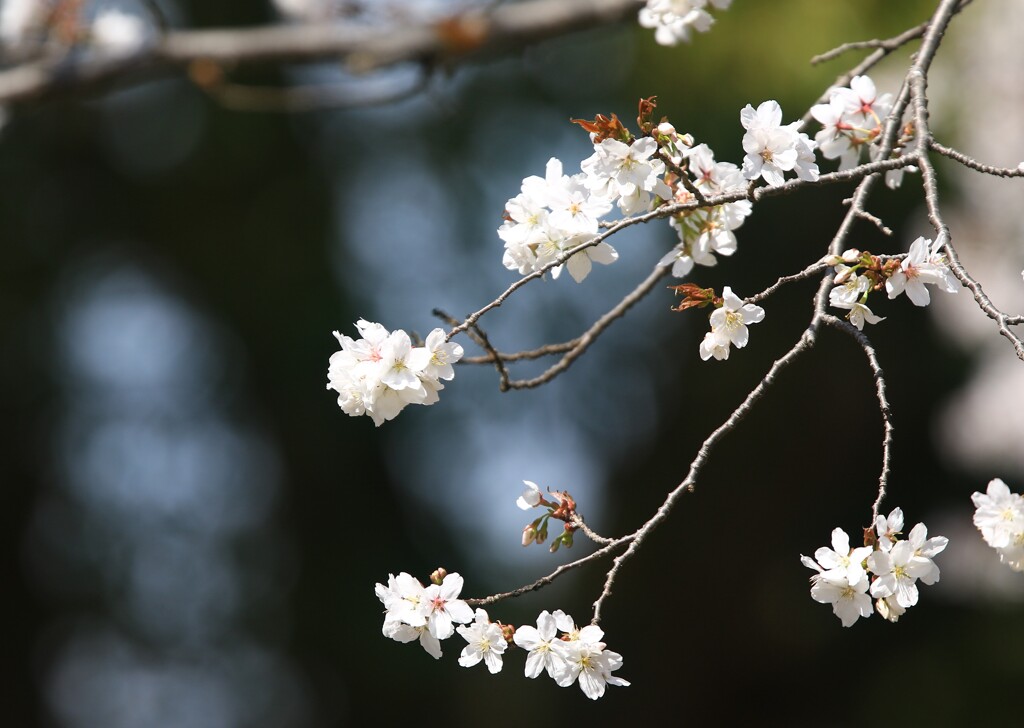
674, 20
849, 601
729, 326
923, 264
531, 496
840, 561
546, 651
773, 149
999, 515
382, 372
485, 643
441, 606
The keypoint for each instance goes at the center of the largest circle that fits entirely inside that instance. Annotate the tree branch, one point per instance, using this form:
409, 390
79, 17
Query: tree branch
471, 35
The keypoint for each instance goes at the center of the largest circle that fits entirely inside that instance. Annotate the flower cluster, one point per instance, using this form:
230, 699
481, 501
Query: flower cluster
859, 274
729, 326
886, 567
427, 614
553, 214
561, 507
999, 515
673, 20
852, 119
382, 372
704, 231
579, 654
773, 149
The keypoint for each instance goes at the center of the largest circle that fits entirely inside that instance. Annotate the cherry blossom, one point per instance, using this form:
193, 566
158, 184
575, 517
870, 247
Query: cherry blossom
849, 601
894, 567
841, 561
923, 264
486, 643
592, 665
729, 326
673, 20
382, 372
531, 496
546, 651
441, 606
999, 515
773, 149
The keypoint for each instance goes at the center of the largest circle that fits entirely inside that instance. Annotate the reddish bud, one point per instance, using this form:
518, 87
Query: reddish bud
438, 576
604, 128
643, 118
693, 296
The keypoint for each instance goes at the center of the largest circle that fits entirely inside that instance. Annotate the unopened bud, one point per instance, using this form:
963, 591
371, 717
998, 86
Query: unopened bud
844, 276
438, 576
851, 256
666, 129
507, 631
529, 535
686, 140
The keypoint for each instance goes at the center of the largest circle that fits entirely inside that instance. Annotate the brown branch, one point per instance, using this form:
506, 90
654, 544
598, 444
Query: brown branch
974, 164
887, 46
807, 272
883, 404
471, 35
805, 342
929, 180
591, 334
545, 580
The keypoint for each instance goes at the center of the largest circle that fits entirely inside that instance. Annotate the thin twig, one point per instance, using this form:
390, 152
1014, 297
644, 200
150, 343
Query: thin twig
883, 405
578, 521
929, 180
591, 334
812, 269
888, 45
805, 342
974, 164
545, 580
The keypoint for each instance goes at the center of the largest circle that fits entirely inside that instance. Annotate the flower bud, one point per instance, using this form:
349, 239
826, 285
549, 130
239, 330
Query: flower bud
666, 129
438, 576
844, 275
529, 535
851, 256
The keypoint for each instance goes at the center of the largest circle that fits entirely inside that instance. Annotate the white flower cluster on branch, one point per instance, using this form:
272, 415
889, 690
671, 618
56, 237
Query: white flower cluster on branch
559, 221
382, 372
999, 515
859, 274
428, 615
674, 20
887, 568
